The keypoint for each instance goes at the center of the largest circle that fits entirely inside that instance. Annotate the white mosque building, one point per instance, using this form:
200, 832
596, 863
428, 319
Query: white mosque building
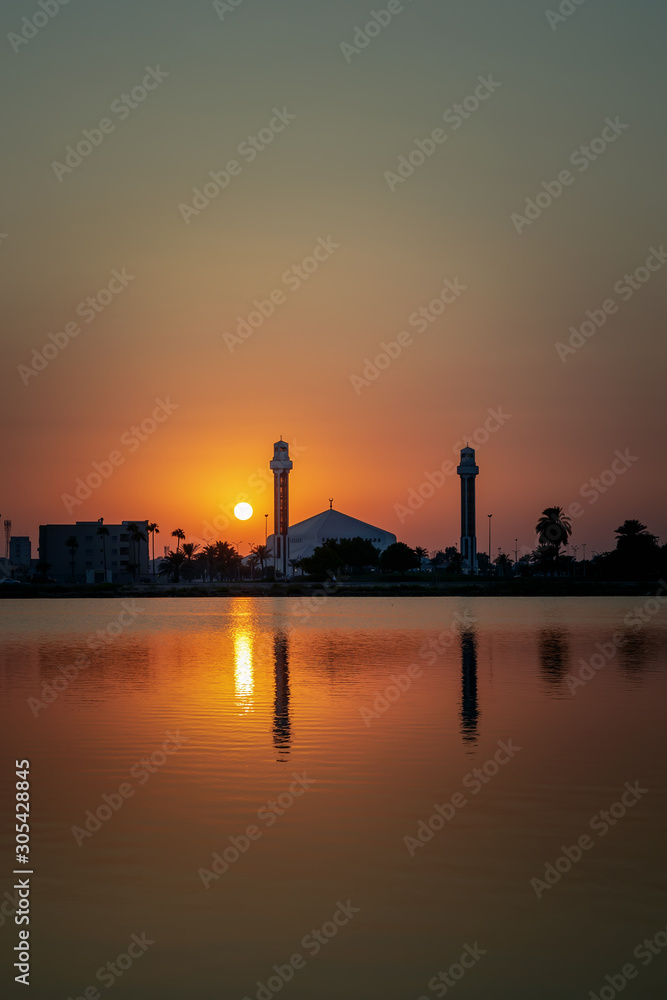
301, 539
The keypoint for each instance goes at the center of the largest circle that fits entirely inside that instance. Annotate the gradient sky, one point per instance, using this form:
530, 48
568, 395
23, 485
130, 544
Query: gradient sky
323, 176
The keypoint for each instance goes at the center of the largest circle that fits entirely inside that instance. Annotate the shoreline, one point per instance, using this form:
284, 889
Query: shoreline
479, 588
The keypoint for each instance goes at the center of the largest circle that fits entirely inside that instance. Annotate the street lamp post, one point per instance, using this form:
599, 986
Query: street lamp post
266, 528
238, 553
584, 567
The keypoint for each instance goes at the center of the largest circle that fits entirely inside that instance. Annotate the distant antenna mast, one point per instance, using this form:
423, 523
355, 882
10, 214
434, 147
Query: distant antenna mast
8, 535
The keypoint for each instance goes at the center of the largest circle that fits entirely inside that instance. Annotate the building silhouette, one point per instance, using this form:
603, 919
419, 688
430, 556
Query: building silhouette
468, 472
290, 544
20, 551
88, 557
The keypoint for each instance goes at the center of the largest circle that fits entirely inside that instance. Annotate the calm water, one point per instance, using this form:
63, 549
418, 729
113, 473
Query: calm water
256, 691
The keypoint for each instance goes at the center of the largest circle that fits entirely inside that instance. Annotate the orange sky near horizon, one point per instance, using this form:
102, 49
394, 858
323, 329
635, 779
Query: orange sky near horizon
310, 234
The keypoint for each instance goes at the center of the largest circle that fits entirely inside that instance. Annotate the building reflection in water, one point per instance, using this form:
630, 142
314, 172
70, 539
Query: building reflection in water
244, 676
282, 729
469, 705
554, 654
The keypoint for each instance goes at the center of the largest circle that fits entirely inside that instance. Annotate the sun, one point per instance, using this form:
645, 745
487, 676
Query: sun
243, 511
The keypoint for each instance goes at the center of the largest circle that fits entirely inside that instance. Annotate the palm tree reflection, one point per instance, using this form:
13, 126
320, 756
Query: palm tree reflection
469, 706
282, 730
554, 654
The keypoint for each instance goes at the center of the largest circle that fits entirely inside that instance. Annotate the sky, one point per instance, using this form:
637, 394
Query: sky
351, 193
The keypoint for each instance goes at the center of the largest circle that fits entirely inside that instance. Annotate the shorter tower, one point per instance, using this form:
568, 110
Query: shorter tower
281, 466
468, 471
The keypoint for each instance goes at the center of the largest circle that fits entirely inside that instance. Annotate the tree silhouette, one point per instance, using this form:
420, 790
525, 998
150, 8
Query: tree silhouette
553, 528
171, 566
153, 530
398, 558
179, 535
421, 554
136, 537
262, 553
189, 551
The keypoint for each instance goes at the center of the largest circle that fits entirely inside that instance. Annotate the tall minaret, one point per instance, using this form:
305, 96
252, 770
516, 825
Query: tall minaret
467, 470
281, 466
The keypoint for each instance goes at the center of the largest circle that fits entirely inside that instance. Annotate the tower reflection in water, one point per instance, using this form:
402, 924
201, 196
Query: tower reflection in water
282, 729
469, 706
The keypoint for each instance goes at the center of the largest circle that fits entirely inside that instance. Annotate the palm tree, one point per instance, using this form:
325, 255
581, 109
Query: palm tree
137, 537
153, 530
209, 554
189, 551
225, 558
171, 565
633, 530
103, 532
421, 555
262, 553
179, 535
553, 528
72, 545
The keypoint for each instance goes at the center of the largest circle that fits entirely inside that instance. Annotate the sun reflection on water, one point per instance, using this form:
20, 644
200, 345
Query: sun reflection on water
244, 677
